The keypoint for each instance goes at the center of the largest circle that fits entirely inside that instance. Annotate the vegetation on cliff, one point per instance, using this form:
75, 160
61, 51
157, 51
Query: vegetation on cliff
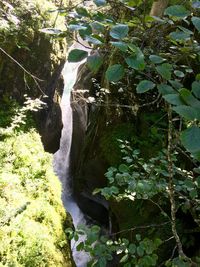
28, 58
32, 218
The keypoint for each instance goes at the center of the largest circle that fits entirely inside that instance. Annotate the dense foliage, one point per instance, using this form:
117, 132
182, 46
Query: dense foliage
32, 218
149, 64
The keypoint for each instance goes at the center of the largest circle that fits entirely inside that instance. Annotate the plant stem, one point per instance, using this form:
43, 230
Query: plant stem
171, 191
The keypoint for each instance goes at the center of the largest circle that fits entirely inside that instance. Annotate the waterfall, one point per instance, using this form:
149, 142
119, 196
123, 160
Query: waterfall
61, 161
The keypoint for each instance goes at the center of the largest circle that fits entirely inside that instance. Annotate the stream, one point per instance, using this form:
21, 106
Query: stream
61, 160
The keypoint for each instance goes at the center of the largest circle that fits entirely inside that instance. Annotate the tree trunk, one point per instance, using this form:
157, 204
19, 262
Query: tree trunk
158, 8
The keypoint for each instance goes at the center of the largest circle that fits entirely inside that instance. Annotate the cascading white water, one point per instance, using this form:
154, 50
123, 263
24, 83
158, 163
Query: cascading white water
62, 156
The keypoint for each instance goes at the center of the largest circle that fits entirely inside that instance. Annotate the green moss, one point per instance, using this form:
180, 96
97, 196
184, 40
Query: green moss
32, 217
109, 144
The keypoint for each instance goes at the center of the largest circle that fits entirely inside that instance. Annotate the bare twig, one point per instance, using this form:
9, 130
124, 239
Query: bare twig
140, 227
61, 3
36, 79
160, 208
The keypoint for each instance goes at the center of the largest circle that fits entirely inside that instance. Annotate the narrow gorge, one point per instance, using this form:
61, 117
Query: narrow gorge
99, 133
61, 161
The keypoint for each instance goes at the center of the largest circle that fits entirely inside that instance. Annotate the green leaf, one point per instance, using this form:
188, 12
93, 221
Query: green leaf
186, 112
97, 26
121, 45
119, 31
115, 73
138, 237
176, 84
114, 190
124, 258
102, 262
193, 194
145, 86
140, 251
96, 191
82, 11
177, 11
196, 23
191, 141
173, 99
188, 98
123, 168
179, 73
94, 40
136, 60
94, 62
100, 2
80, 246
196, 89
76, 27
179, 36
132, 249
51, 31
185, 30
77, 55
165, 89
85, 32
165, 70
156, 59
134, 63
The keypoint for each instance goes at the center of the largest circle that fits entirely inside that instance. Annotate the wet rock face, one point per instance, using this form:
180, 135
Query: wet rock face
87, 174
50, 118
50, 127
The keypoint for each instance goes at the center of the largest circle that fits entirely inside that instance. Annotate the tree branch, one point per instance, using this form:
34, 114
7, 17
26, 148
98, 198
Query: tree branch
171, 191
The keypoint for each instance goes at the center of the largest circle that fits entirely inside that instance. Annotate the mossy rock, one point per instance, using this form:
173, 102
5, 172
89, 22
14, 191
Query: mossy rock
109, 144
37, 52
32, 216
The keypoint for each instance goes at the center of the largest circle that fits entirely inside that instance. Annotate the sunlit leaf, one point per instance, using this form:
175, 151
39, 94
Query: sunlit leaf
76, 27
52, 31
156, 59
179, 73
119, 31
100, 2
179, 36
177, 11
124, 258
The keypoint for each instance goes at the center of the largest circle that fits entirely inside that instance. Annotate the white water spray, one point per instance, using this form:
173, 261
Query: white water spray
61, 160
